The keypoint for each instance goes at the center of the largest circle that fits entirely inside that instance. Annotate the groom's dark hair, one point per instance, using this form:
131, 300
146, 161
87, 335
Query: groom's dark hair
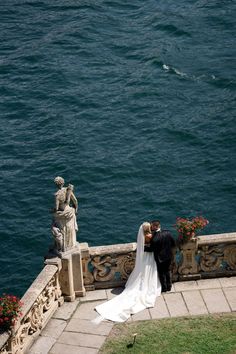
156, 223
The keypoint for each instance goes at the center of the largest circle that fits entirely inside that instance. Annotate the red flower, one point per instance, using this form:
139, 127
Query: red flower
10, 307
188, 227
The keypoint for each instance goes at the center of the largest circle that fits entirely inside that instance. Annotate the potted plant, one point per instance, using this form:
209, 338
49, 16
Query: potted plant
10, 310
188, 228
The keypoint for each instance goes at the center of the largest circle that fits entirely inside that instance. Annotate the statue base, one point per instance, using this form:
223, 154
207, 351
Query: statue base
53, 252
71, 274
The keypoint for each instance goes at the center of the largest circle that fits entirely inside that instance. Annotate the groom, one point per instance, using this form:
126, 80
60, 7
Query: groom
162, 244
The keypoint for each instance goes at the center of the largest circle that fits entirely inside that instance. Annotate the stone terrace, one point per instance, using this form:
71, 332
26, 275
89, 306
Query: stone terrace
71, 330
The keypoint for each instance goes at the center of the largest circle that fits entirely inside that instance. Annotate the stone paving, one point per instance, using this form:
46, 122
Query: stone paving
71, 331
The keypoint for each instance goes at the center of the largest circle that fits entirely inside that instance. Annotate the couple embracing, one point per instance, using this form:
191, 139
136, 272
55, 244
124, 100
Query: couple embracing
150, 276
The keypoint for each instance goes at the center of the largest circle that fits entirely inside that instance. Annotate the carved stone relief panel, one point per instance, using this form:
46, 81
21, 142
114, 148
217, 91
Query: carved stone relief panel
211, 257
34, 320
230, 256
108, 267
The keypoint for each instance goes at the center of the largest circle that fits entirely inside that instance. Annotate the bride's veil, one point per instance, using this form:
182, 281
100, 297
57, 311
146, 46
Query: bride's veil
139, 259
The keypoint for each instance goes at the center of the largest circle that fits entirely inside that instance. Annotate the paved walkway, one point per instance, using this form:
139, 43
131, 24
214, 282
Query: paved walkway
71, 331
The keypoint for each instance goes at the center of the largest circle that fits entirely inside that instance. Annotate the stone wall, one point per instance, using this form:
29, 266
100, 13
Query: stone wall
206, 256
39, 303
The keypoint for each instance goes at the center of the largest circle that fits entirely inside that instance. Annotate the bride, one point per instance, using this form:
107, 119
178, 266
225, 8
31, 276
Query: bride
141, 289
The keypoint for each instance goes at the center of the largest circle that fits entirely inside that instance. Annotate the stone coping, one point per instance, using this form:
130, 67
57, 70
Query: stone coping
37, 287
4, 338
35, 290
131, 247
216, 239
118, 248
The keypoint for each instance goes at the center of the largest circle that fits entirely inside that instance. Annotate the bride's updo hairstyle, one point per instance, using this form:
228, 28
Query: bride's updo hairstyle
146, 228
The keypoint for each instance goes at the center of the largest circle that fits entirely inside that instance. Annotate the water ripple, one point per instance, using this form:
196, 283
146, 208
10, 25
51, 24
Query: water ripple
133, 103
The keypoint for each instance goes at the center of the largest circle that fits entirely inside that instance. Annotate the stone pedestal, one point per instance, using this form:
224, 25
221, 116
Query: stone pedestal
71, 273
189, 266
87, 276
66, 278
78, 274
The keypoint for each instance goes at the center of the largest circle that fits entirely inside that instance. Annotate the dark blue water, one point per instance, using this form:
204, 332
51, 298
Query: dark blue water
133, 102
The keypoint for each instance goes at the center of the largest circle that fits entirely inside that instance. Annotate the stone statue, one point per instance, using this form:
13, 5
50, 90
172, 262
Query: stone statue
64, 225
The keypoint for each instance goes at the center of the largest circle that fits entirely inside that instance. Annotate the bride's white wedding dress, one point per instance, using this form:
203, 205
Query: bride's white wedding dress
141, 289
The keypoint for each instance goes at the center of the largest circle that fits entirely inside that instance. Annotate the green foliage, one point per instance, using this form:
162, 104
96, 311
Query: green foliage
195, 335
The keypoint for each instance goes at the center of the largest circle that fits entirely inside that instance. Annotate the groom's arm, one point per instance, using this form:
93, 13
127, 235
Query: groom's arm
148, 248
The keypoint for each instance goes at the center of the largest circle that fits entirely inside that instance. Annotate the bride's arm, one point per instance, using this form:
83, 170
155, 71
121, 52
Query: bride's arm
147, 238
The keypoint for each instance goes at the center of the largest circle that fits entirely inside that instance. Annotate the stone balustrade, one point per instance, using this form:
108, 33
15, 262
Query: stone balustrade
107, 266
217, 255
93, 268
39, 303
206, 256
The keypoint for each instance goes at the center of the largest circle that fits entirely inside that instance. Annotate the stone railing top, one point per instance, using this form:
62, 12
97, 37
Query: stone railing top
35, 289
118, 248
216, 239
31, 296
4, 338
130, 247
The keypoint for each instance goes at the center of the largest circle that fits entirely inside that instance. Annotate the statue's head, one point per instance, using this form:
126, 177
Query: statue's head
59, 181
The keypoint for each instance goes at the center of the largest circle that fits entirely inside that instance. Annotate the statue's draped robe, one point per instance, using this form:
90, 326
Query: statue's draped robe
65, 219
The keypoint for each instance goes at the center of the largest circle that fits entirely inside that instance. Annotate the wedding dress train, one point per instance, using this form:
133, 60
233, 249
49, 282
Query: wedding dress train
141, 289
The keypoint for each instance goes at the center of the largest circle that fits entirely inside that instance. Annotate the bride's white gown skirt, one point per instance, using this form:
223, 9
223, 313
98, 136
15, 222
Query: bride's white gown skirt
141, 291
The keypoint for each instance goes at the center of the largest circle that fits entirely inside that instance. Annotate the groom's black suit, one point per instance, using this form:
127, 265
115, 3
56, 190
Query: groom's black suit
162, 244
